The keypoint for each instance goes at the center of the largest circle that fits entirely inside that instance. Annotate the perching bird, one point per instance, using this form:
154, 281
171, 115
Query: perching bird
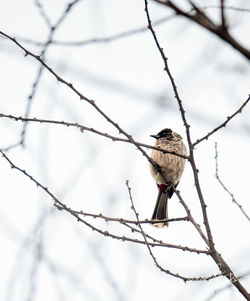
171, 167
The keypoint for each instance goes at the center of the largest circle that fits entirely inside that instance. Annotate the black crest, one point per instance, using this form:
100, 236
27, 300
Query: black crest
166, 133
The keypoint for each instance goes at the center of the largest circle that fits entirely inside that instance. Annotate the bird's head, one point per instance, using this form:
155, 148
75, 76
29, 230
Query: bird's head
165, 133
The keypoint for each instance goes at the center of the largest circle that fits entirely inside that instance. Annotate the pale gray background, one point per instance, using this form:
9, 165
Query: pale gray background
45, 253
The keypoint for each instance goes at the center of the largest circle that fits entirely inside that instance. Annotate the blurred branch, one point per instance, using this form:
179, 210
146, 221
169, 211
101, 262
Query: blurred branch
52, 30
31, 243
227, 7
98, 40
117, 36
223, 185
43, 13
226, 287
200, 18
224, 123
223, 17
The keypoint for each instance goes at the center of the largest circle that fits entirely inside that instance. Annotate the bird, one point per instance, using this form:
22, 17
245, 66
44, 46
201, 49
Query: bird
166, 171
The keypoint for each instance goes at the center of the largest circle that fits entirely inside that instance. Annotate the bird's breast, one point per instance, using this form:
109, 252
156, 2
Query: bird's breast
171, 166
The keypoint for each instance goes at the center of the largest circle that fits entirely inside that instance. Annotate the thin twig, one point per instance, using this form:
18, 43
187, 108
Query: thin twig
227, 7
123, 220
223, 185
43, 13
123, 34
128, 223
223, 124
98, 40
36, 82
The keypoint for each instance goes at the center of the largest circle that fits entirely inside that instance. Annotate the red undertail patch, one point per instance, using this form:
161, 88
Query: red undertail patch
162, 187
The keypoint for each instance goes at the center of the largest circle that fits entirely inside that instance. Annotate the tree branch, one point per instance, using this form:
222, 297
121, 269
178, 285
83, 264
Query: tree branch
204, 21
78, 215
229, 118
83, 128
185, 279
224, 186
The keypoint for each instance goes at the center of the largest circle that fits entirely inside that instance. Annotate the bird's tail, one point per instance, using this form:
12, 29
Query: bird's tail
161, 210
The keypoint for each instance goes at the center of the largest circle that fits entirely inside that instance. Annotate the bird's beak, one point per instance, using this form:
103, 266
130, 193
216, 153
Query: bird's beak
155, 136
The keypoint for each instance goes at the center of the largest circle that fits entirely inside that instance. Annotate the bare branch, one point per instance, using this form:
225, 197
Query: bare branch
190, 217
185, 279
120, 35
122, 220
224, 186
200, 18
43, 13
42, 55
227, 7
223, 124
83, 128
98, 40
155, 242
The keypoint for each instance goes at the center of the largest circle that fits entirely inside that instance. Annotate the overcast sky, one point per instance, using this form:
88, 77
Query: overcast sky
106, 51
